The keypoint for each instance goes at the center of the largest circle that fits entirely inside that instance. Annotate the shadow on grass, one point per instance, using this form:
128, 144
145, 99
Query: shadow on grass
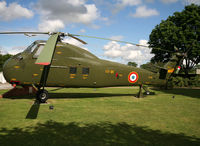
73, 95
33, 112
54, 133
194, 93
86, 95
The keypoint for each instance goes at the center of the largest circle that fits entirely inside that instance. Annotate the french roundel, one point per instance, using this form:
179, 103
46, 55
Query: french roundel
133, 77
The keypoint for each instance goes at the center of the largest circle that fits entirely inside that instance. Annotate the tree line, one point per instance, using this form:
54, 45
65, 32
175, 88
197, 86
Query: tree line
181, 31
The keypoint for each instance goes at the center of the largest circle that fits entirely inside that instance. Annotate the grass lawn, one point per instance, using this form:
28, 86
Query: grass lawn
106, 116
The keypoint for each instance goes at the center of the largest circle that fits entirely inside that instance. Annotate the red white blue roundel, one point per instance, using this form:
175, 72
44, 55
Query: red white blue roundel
133, 77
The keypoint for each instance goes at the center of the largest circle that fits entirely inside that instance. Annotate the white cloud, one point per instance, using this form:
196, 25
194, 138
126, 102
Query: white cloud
94, 26
104, 19
74, 42
13, 11
51, 25
13, 51
88, 17
143, 11
82, 30
121, 4
128, 52
2, 50
188, 2
169, 1
16, 49
118, 37
149, 1
129, 2
67, 11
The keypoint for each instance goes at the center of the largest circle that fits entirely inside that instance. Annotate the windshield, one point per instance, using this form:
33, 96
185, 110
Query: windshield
31, 48
39, 50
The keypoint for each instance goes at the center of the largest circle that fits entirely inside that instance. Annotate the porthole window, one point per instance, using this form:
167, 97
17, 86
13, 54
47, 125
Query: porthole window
85, 70
72, 70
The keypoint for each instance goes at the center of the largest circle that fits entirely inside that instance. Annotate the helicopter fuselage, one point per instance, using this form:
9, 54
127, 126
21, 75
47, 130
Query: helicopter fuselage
72, 66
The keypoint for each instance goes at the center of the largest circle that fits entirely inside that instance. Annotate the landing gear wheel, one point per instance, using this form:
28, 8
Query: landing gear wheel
42, 95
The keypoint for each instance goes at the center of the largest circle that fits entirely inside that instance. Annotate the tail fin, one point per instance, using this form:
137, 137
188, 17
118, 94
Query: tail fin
171, 66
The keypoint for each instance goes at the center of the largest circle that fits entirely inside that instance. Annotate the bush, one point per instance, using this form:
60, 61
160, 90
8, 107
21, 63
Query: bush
195, 81
184, 82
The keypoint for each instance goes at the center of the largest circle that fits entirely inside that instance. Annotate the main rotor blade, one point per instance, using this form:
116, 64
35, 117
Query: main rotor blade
23, 32
74, 37
118, 41
108, 39
70, 35
46, 55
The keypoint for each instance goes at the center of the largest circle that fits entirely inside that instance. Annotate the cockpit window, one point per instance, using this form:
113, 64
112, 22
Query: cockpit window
31, 48
39, 50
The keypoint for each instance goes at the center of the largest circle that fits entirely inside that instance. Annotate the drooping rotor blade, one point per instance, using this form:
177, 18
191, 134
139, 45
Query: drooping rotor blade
76, 38
46, 55
118, 41
23, 32
108, 39
32, 33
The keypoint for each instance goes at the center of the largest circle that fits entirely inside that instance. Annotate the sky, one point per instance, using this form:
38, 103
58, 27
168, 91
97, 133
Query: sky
127, 20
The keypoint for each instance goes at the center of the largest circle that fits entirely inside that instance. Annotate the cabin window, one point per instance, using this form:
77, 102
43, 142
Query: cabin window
31, 48
39, 50
72, 70
85, 70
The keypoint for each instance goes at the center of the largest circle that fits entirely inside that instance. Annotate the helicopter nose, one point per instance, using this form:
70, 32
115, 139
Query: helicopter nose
7, 70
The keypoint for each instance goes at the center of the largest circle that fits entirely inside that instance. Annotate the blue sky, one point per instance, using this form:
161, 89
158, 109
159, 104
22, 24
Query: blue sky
128, 20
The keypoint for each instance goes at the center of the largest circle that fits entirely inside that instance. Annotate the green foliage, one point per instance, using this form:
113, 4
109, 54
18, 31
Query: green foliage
152, 66
178, 81
197, 66
181, 30
194, 81
184, 81
132, 64
149, 66
3, 59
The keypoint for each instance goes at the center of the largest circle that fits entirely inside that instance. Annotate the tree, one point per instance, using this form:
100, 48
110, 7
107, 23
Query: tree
132, 64
3, 59
152, 67
181, 30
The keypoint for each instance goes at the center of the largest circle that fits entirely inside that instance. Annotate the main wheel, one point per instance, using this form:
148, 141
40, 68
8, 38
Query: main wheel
42, 95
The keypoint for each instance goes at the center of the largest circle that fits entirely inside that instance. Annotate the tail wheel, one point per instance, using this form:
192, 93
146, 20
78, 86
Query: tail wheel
42, 95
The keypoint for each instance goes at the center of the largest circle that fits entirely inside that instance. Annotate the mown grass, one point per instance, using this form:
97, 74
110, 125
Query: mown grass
106, 116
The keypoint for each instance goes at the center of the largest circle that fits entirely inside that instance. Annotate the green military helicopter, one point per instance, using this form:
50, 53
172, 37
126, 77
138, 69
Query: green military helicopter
53, 63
